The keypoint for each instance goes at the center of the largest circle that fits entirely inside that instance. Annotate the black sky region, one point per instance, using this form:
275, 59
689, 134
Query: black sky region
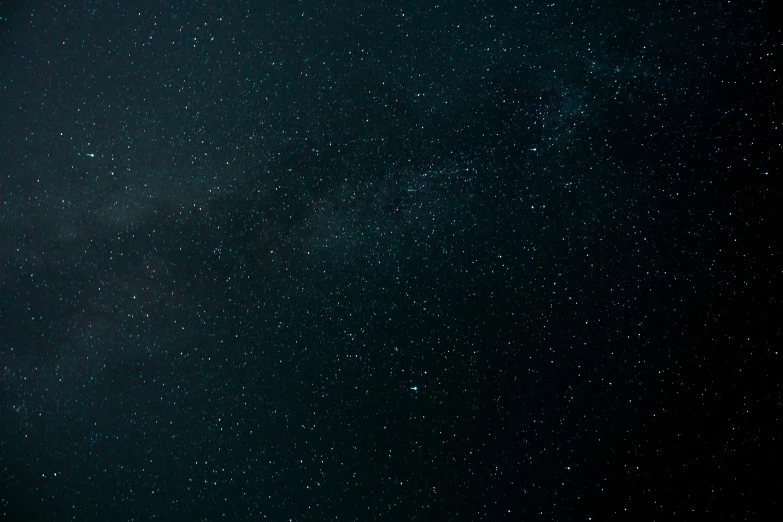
389, 260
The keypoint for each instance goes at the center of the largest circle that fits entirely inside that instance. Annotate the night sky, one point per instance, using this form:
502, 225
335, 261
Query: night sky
389, 260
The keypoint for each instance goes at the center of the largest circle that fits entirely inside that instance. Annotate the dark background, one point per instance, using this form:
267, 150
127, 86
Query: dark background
389, 260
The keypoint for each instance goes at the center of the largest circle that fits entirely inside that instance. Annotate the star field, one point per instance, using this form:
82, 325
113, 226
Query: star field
389, 260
